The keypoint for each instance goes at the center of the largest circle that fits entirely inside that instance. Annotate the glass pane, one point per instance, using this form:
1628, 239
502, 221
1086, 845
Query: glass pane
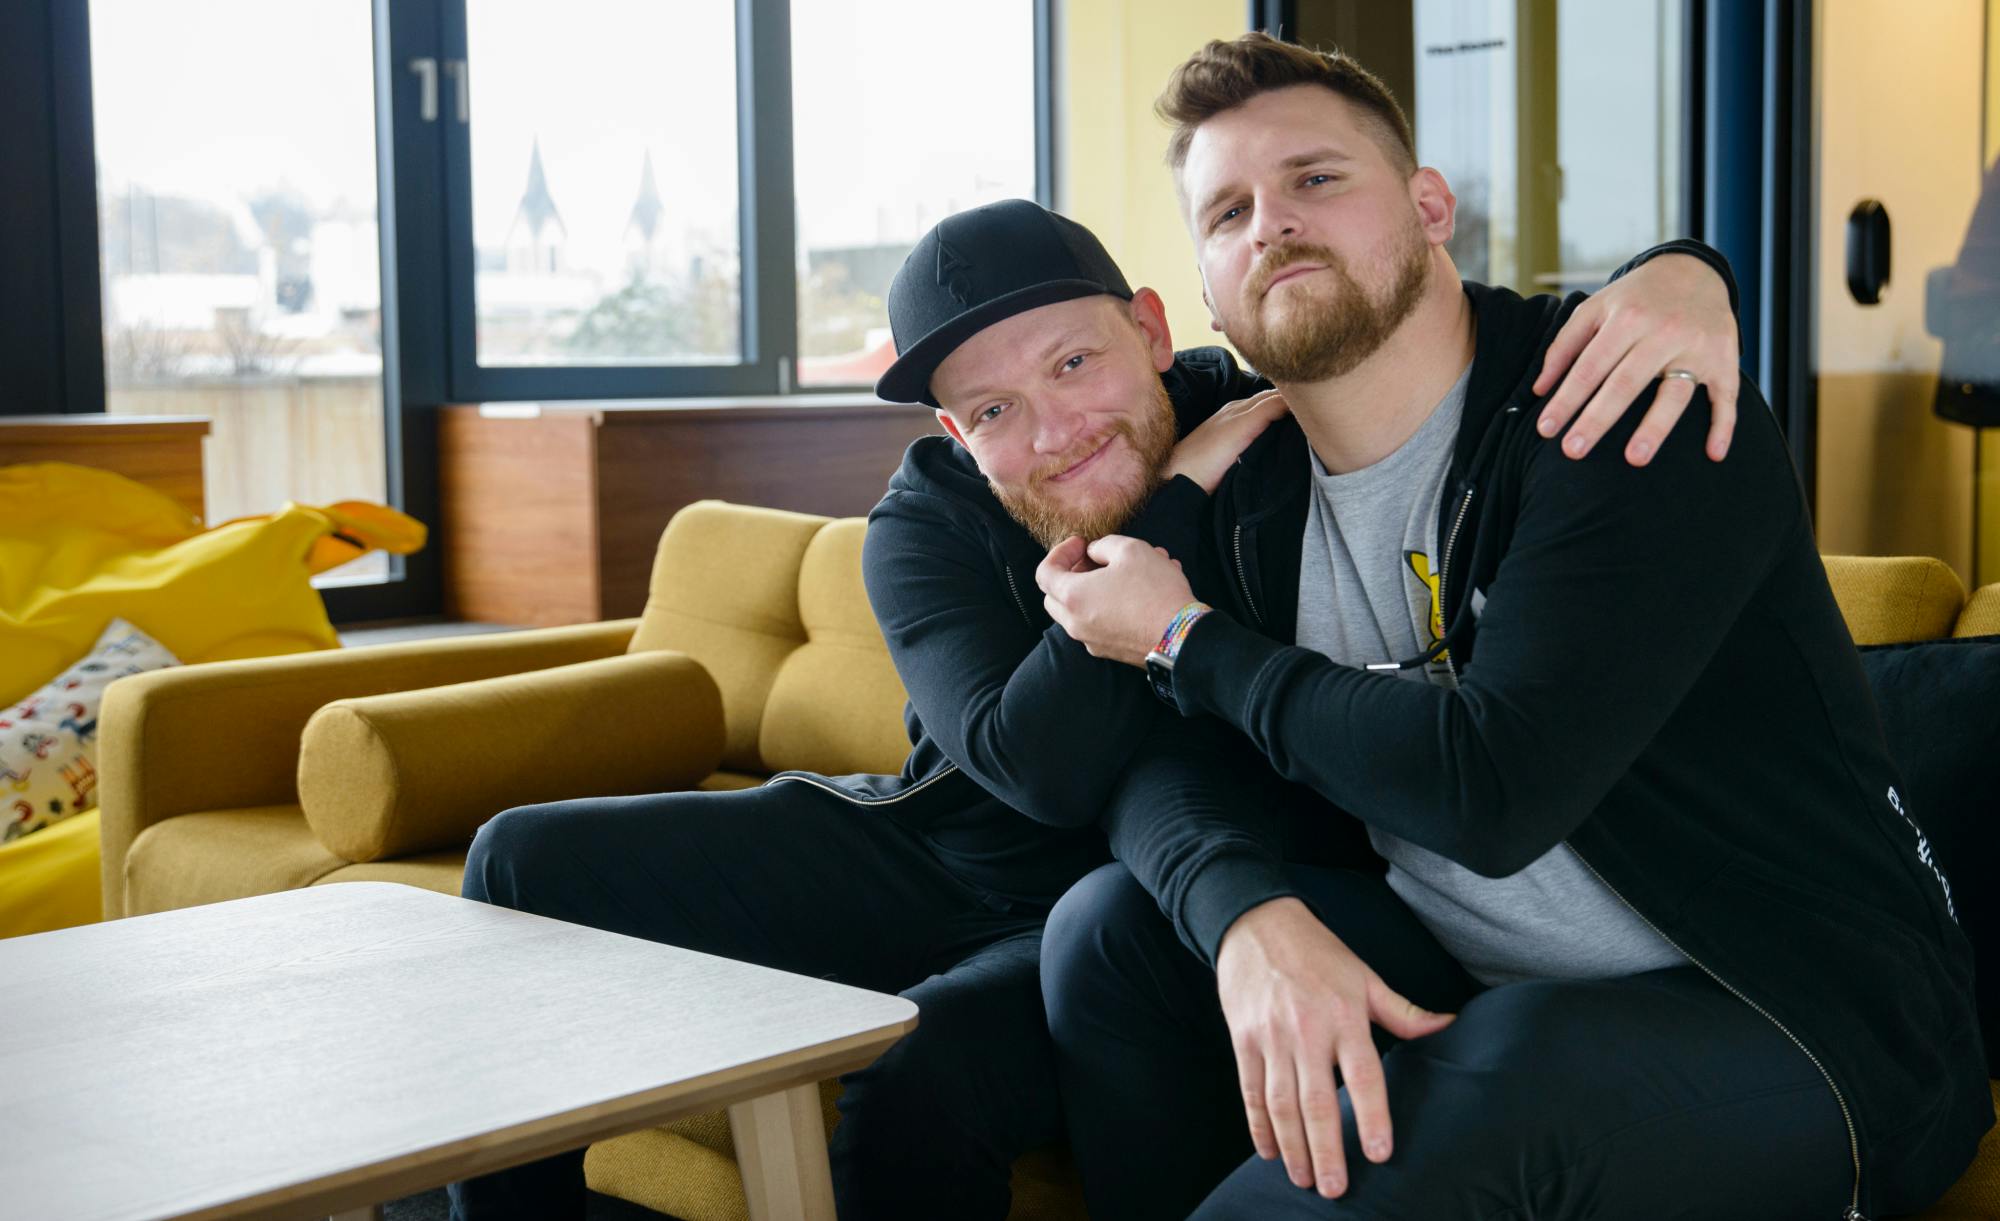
1556, 124
1908, 370
604, 201
904, 111
242, 270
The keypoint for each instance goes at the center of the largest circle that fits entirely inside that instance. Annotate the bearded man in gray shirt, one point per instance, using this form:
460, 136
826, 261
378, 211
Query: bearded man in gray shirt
1368, 592
1659, 937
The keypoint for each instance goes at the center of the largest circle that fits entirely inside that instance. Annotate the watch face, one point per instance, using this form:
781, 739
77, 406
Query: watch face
1160, 676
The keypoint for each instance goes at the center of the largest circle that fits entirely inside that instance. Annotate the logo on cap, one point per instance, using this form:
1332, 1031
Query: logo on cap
952, 272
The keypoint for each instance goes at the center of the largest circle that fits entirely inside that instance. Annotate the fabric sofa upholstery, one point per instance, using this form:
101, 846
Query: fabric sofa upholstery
385, 776
204, 777
725, 591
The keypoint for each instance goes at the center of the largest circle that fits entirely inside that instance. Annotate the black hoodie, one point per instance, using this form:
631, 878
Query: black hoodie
1651, 668
1023, 740
1024, 744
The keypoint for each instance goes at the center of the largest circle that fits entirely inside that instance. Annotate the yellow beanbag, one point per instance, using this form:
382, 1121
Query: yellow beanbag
80, 547
49, 880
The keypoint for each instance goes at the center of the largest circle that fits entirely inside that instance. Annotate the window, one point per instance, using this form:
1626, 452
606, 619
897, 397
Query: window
877, 165
241, 266
604, 200
1556, 124
321, 220
710, 198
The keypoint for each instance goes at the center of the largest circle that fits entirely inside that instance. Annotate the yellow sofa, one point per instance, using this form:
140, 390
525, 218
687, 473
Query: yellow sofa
241, 778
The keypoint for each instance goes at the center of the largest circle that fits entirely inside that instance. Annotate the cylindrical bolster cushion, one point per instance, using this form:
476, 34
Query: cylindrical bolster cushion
414, 771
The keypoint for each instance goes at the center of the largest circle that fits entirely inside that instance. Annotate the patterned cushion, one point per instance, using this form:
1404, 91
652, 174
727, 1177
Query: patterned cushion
48, 741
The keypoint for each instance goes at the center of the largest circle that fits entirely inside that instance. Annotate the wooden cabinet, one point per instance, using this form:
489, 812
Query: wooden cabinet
162, 452
550, 511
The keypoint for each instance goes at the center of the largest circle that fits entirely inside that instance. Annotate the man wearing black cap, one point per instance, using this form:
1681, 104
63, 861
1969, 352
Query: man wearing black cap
1066, 406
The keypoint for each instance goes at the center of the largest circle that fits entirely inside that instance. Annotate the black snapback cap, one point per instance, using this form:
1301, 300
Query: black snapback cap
974, 269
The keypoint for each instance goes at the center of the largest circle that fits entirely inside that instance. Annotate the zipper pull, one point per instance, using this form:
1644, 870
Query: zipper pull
1853, 1213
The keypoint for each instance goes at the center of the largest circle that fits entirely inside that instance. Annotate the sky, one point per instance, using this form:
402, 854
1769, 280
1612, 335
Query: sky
904, 110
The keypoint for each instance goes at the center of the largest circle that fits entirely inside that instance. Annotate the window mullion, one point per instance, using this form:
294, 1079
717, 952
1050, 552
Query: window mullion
764, 121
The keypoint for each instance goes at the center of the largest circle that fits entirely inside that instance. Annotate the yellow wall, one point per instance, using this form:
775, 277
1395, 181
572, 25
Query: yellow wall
1893, 477
1992, 79
1113, 58
1989, 443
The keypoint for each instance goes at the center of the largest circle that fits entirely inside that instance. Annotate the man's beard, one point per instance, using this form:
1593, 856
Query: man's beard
1151, 434
1326, 334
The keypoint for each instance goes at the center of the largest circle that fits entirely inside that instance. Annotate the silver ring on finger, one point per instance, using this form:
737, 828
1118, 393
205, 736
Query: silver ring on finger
1684, 374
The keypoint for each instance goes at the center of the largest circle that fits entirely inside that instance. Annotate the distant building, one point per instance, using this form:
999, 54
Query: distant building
536, 238
646, 239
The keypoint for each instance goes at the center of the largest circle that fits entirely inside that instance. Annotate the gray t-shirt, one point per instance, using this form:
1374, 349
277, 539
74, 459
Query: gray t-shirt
1368, 592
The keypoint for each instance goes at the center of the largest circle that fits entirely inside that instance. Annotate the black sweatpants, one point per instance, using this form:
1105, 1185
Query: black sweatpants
1657, 1095
790, 876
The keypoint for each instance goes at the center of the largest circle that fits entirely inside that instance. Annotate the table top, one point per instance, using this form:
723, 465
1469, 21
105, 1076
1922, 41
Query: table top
325, 1048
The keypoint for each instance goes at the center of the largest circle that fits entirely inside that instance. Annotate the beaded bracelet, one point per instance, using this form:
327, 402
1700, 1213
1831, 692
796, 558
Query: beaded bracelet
1184, 620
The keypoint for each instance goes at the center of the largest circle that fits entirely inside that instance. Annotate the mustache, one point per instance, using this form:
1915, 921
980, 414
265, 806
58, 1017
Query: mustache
1077, 453
1276, 259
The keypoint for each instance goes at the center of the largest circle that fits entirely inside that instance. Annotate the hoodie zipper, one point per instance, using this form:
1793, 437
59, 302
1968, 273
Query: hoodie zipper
1444, 574
1243, 579
1016, 591
1853, 1212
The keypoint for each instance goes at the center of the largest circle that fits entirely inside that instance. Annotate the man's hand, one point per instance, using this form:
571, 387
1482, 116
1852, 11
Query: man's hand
1115, 597
1206, 454
1671, 313
1298, 1001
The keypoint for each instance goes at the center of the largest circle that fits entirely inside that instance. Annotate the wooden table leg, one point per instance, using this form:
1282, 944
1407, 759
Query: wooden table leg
781, 1151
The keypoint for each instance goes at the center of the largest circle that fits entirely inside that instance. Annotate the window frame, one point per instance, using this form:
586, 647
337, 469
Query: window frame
427, 250
767, 213
424, 215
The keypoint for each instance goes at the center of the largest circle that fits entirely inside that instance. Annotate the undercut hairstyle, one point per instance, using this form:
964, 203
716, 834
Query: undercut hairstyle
1224, 75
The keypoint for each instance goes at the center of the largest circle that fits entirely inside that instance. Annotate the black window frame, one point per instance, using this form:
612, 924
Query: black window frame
767, 214
424, 215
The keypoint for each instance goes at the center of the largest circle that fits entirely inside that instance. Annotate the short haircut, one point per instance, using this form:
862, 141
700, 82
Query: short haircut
1224, 75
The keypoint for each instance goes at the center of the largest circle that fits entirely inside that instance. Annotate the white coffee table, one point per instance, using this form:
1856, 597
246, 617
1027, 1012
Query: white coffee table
321, 1050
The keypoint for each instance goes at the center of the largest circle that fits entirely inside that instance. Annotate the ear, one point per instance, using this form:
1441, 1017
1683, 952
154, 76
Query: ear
1150, 313
950, 426
1437, 207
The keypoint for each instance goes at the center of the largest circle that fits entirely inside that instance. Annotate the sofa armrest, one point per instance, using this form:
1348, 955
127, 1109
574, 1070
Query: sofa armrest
419, 771
226, 734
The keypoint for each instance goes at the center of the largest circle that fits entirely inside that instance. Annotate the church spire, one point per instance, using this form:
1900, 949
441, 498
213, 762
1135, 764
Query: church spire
647, 209
538, 207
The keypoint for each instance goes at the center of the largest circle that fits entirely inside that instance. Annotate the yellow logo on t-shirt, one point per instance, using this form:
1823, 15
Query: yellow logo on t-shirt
1420, 564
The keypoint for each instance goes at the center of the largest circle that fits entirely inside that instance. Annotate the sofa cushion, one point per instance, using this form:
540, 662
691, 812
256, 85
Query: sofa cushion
836, 705
440, 871
729, 782
1890, 599
1976, 1197
209, 856
1981, 616
385, 776
725, 591
1937, 700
